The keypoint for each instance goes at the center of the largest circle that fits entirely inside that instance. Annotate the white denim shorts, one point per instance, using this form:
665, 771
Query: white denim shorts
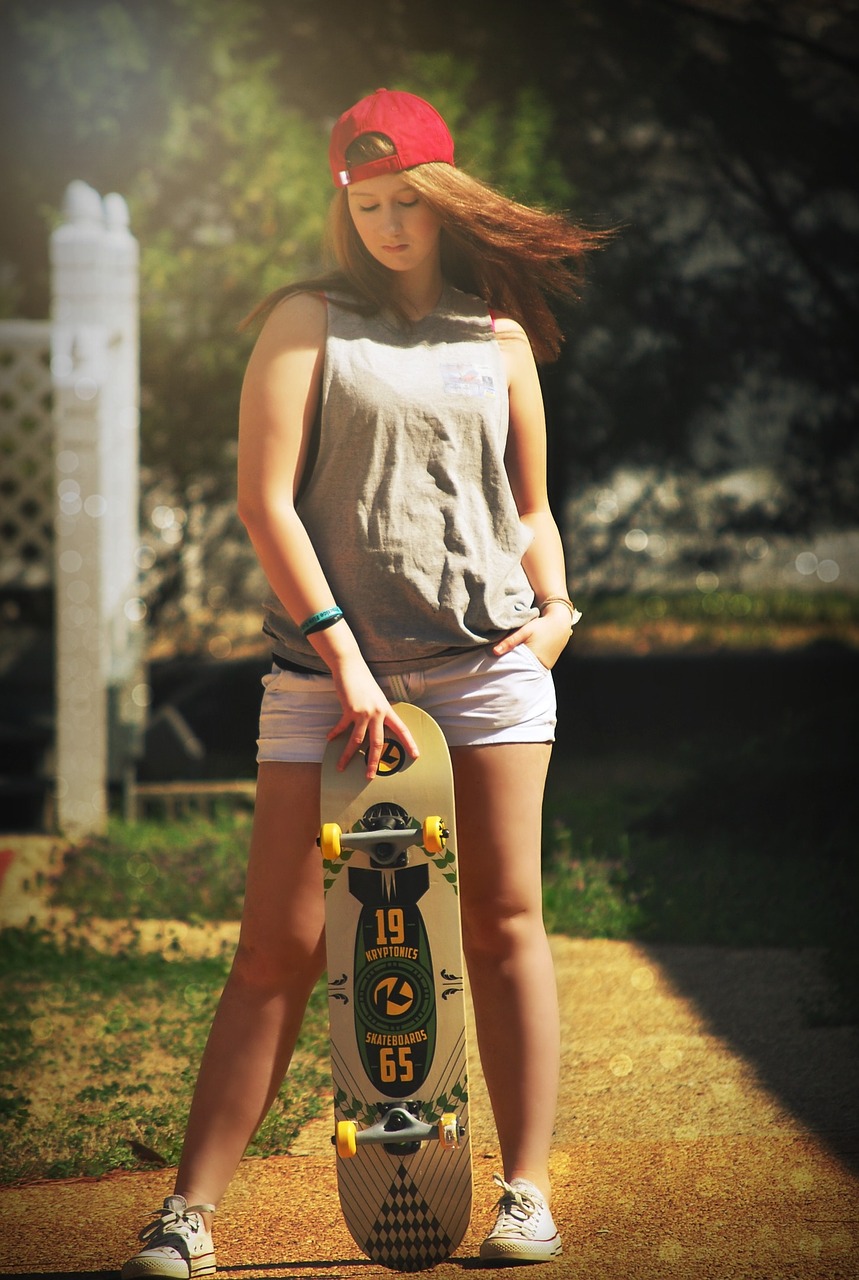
478, 699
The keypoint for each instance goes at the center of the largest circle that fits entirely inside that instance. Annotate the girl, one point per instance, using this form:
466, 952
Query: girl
404, 383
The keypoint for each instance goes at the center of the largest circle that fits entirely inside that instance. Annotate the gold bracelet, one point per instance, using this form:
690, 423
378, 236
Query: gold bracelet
575, 614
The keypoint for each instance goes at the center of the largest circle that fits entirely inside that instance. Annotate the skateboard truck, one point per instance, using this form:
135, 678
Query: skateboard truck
399, 1132
385, 845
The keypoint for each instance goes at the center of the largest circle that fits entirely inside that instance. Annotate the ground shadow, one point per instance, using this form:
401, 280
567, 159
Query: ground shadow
766, 742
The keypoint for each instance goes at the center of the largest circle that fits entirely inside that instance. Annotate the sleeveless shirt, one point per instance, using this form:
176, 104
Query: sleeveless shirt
408, 504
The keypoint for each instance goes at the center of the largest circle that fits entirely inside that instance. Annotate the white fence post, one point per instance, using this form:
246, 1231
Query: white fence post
100, 700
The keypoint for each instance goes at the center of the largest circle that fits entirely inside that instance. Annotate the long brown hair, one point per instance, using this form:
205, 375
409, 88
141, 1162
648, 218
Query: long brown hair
516, 257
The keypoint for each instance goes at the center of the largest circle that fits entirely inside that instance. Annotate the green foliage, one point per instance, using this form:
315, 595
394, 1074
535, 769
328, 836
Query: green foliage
230, 206
87, 68
191, 871
508, 144
826, 608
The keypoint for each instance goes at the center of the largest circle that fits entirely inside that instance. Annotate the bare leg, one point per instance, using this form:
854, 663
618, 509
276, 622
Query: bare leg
280, 956
499, 806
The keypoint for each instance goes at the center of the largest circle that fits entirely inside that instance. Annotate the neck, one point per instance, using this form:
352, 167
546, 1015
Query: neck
419, 291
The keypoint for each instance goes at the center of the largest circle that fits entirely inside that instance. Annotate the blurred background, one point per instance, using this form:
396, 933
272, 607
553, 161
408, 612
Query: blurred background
704, 469
704, 458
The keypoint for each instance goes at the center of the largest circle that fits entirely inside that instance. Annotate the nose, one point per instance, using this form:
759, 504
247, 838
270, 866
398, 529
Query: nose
393, 220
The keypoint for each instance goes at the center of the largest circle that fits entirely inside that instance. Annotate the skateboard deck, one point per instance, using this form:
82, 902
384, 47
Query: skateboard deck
396, 1002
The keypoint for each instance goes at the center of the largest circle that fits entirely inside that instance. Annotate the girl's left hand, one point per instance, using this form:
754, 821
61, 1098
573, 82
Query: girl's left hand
546, 636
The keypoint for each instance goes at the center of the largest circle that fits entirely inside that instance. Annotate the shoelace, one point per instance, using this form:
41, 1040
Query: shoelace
166, 1221
515, 1209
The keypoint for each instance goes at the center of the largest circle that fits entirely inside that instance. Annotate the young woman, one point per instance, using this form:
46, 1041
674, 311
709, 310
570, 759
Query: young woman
404, 383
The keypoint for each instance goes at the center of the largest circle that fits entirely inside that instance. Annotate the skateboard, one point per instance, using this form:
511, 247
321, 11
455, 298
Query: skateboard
396, 1001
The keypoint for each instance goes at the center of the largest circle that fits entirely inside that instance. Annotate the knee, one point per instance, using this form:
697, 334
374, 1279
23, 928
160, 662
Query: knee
293, 965
497, 934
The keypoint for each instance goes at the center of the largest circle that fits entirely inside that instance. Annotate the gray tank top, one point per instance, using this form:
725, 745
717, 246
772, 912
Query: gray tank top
408, 504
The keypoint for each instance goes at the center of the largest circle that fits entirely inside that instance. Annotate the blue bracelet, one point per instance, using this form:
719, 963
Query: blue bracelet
319, 621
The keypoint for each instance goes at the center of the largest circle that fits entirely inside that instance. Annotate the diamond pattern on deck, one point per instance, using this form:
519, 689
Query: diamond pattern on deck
407, 1236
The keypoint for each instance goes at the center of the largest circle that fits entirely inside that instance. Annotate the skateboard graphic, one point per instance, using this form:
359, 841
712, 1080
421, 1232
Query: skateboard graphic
395, 998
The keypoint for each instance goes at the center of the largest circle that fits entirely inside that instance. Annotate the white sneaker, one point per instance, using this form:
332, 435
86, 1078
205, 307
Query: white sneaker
176, 1243
524, 1230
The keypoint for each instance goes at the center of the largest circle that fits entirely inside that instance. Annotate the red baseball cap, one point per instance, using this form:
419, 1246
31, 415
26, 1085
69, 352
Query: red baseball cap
416, 130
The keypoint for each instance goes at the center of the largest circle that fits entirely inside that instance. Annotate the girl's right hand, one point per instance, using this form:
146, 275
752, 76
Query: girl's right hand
367, 713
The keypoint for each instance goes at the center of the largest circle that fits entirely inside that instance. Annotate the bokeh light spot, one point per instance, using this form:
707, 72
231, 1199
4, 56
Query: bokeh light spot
67, 461
757, 548
643, 979
71, 562
95, 506
707, 581
135, 609
220, 647
144, 557
141, 695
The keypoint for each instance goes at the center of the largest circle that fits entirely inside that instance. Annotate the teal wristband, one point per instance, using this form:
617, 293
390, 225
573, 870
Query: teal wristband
319, 621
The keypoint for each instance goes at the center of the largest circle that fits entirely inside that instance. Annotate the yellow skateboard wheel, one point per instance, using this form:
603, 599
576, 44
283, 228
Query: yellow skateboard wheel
345, 1139
448, 1130
329, 841
435, 835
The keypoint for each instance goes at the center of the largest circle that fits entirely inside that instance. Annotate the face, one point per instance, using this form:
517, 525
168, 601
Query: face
393, 222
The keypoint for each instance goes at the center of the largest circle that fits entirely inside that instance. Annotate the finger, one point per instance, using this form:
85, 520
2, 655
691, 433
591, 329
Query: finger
512, 641
399, 730
340, 727
375, 747
354, 743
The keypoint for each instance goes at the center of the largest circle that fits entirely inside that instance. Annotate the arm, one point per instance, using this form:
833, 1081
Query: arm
526, 467
278, 404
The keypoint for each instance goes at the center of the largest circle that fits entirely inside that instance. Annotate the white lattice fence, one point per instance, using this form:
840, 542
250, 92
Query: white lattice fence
69, 495
26, 455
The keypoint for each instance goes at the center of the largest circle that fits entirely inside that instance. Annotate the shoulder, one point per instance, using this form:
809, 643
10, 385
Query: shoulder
291, 340
514, 343
506, 327
298, 318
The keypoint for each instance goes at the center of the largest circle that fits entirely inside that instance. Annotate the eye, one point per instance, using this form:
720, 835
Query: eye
367, 208
408, 204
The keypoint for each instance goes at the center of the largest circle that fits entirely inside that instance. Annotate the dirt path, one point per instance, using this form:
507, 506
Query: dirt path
708, 1128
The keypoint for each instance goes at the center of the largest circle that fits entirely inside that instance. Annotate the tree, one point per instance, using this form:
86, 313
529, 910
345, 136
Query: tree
718, 135
188, 106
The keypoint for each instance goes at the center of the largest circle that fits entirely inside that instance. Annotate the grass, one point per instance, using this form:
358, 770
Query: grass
718, 620
191, 870
809, 608
99, 1053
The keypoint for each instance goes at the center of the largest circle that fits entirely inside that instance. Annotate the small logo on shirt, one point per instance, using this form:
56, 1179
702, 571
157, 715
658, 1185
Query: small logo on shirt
468, 380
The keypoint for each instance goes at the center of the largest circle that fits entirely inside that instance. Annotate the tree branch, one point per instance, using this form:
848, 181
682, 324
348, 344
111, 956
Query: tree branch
759, 27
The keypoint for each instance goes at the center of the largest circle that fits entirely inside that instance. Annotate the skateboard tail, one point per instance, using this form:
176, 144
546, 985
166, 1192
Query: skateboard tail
404, 1199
